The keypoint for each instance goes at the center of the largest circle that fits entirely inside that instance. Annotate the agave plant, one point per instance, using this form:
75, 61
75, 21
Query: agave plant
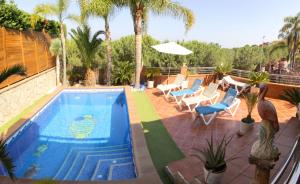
213, 157
258, 77
293, 96
14, 70
6, 161
251, 100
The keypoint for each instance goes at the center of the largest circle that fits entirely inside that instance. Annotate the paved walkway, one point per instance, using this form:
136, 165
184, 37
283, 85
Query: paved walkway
189, 134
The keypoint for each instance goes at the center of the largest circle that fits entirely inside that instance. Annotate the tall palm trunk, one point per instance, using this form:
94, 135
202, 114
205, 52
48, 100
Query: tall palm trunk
138, 45
57, 70
108, 51
63, 45
90, 78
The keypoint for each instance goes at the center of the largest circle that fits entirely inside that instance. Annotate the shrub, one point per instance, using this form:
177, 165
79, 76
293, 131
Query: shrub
122, 72
14, 18
258, 77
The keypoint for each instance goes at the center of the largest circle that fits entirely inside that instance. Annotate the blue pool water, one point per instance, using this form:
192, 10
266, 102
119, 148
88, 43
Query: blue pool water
79, 135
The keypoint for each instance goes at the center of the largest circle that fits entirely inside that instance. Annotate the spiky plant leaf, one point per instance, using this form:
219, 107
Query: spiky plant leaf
14, 70
291, 95
258, 77
6, 161
214, 159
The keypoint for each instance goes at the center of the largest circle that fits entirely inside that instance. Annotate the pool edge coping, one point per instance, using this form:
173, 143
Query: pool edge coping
146, 172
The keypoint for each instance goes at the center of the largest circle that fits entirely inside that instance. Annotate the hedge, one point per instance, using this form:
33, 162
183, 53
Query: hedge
13, 18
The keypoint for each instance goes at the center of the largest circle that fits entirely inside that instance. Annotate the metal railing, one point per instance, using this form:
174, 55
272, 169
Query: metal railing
294, 173
275, 78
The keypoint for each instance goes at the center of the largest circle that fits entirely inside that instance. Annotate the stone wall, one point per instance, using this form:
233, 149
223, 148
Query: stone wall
15, 98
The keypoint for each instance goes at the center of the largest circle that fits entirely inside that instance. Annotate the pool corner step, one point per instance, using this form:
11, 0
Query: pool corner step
103, 166
121, 171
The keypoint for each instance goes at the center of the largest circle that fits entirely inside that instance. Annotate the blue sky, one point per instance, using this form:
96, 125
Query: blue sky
231, 23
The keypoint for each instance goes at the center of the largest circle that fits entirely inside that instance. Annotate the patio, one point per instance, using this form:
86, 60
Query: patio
187, 134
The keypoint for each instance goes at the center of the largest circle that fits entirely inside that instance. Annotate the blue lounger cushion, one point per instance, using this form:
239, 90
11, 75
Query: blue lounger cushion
218, 107
182, 92
196, 85
205, 110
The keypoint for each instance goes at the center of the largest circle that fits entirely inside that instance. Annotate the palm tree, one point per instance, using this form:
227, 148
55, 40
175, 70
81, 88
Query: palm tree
88, 46
58, 9
140, 10
105, 9
6, 160
291, 33
4, 157
55, 49
14, 70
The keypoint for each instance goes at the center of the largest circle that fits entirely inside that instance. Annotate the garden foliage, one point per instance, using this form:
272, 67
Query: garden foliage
13, 18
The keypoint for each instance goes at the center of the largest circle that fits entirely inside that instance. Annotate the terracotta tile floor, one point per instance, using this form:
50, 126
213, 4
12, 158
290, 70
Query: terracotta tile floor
189, 134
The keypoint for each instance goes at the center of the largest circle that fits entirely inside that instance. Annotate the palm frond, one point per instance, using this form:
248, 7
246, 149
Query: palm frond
87, 44
46, 9
291, 95
174, 9
6, 161
14, 70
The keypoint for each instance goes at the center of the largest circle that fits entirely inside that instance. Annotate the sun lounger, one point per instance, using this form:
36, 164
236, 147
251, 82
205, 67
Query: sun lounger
179, 95
209, 94
177, 84
227, 80
229, 104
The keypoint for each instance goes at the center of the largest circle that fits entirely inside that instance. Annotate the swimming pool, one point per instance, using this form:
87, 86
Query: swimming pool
79, 135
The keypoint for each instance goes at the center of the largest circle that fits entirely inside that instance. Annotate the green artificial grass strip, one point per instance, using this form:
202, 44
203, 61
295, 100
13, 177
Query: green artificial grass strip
161, 146
15, 119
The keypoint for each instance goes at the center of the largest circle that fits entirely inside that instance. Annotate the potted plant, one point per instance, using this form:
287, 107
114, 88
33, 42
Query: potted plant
257, 78
150, 74
213, 158
221, 70
247, 122
293, 96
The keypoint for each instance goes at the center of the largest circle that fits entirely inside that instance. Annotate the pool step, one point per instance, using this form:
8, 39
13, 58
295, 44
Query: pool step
78, 163
98, 169
121, 171
77, 154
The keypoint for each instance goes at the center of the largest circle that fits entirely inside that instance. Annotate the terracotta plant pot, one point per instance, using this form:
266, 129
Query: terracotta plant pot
212, 178
150, 84
245, 127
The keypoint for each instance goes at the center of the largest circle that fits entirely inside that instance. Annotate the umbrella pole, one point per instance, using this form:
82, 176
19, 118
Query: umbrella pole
168, 73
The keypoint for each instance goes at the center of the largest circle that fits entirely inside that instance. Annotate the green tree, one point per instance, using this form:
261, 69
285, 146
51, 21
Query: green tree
290, 31
88, 45
59, 10
105, 9
140, 10
248, 57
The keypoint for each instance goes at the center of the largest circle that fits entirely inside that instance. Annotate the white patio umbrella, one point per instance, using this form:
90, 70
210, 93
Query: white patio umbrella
172, 48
